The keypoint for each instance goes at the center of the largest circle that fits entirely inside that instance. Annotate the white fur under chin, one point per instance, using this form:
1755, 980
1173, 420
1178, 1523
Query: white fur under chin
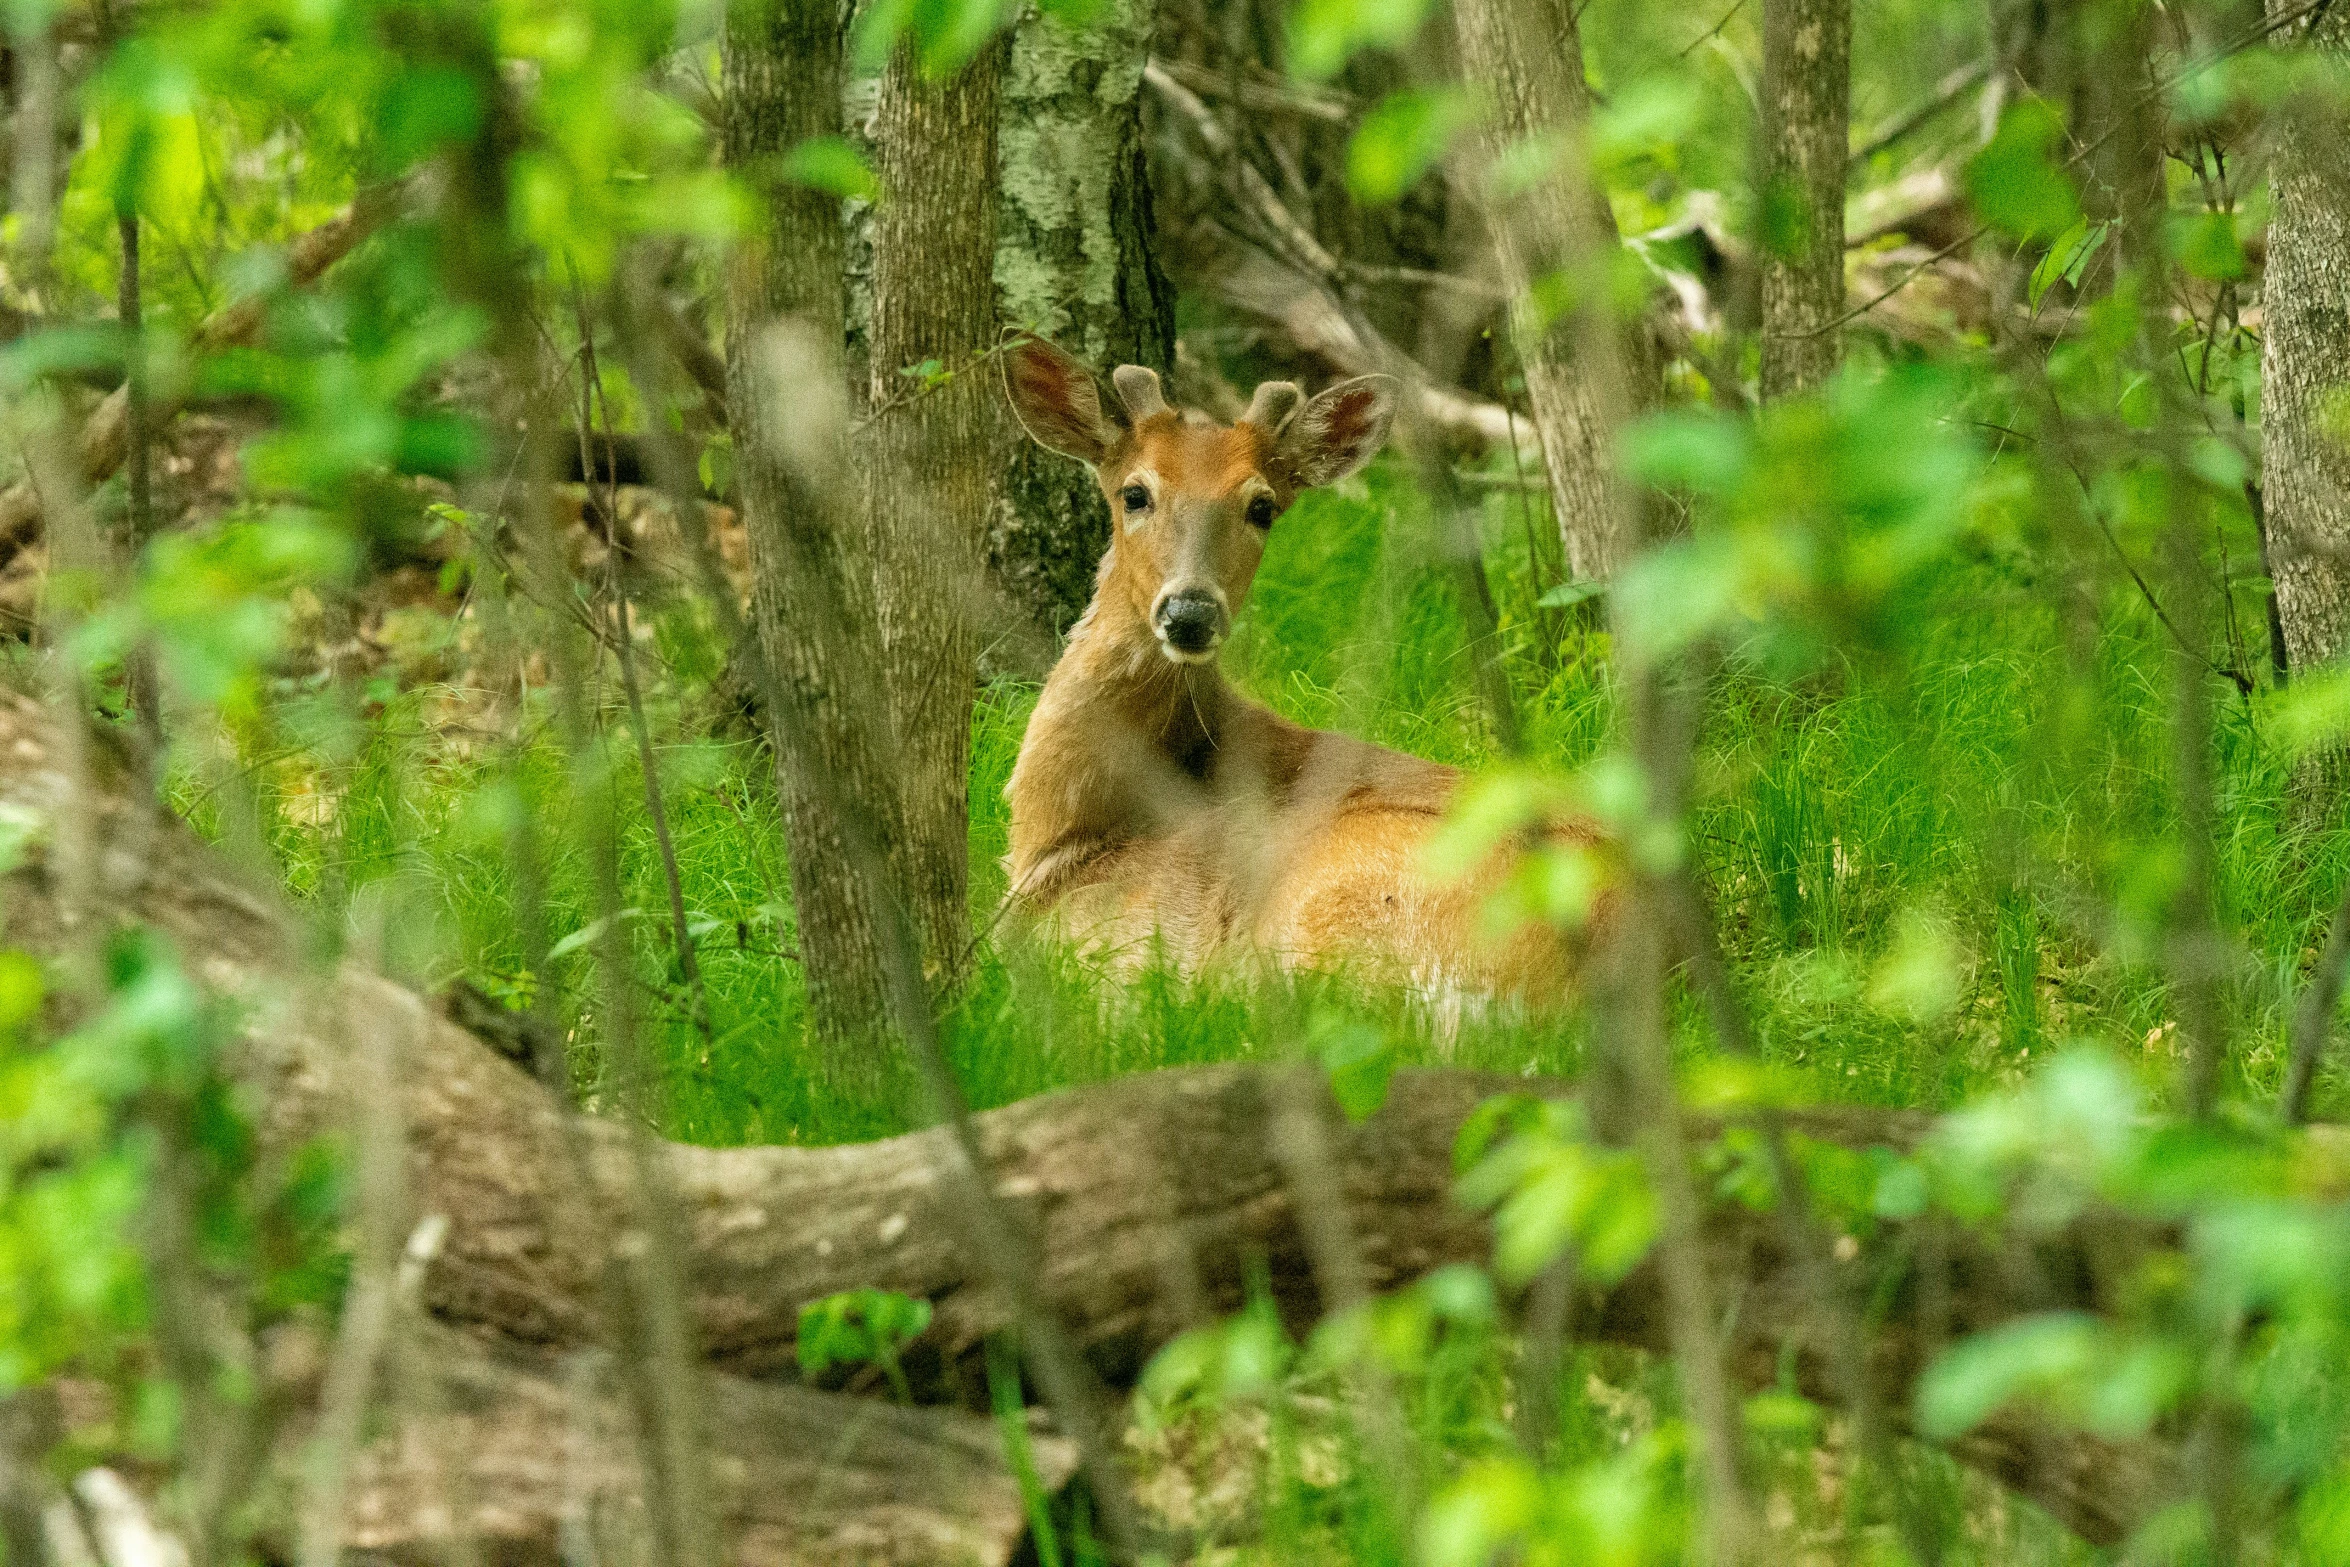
1176, 655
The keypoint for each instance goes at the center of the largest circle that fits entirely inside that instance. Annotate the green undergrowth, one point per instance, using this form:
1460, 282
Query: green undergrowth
1925, 880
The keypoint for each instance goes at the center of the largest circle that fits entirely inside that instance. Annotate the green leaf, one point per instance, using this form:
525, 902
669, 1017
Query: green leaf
2068, 258
2205, 244
1325, 34
2015, 182
1401, 140
1360, 1061
833, 165
21, 989
1477, 1517
857, 1327
1689, 449
946, 34
592, 931
1784, 1417
428, 106
1979, 1376
1568, 594
1919, 977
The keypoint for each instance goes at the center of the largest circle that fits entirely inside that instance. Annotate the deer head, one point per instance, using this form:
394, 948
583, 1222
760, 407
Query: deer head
1192, 501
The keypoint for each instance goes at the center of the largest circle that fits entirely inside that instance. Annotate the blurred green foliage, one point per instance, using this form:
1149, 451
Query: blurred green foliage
1932, 803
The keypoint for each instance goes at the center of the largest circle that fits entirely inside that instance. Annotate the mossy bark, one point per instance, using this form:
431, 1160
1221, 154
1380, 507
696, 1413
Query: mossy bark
2305, 359
811, 589
1807, 101
1075, 263
927, 458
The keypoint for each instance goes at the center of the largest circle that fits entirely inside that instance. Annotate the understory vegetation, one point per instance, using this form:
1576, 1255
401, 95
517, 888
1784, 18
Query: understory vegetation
520, 537
1916, 882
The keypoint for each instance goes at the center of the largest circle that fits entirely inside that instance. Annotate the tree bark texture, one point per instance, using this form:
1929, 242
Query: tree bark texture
1152, 1198
1075, 263
1527, 56
2305, 358
812, 590
1807, 103
526, 1455
926, 457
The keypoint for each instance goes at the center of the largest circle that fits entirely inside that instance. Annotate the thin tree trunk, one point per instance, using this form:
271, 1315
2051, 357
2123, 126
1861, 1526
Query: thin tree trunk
1075, 261
1528, 57
812, 594
1807, 104
926, 457
2305, 358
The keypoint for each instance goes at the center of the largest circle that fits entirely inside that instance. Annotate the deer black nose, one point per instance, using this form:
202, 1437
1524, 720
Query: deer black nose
1190, 621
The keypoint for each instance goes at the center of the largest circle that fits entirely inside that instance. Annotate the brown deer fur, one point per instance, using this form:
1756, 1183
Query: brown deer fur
1154, 807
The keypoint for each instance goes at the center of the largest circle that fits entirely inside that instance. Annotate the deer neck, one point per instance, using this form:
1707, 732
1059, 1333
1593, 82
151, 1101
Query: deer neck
1115, 667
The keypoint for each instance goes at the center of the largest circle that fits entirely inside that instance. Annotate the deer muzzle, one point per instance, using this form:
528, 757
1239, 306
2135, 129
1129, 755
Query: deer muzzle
1190, 622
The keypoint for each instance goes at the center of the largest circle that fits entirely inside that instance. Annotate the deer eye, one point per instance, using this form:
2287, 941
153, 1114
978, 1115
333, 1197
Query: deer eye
1135, 498
1260, 511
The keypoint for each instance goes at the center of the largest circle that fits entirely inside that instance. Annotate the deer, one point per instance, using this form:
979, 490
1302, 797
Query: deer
1157, 810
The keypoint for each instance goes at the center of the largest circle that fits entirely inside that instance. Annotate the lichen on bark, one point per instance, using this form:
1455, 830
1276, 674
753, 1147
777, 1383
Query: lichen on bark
1074, 263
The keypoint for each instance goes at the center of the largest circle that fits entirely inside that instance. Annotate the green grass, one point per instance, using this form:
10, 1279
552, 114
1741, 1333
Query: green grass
1989, 786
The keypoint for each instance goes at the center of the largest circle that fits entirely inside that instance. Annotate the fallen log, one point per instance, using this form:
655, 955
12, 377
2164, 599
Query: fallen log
521, 1453
1151, 1197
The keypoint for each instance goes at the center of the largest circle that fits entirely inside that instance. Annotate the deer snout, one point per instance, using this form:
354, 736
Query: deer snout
1190, 622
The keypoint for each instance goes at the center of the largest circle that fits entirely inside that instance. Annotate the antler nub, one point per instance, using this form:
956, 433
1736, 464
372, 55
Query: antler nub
1138, 389
1272, 406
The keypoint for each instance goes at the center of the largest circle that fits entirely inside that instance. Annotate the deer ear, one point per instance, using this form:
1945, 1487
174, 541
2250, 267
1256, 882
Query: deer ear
1339, 431
1138, 388
1274, 402
1057, 401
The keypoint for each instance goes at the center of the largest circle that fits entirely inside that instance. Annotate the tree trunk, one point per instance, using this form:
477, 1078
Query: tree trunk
933, 406
1528, 56
1075, 263
2305, 359
1806, 103
812, 591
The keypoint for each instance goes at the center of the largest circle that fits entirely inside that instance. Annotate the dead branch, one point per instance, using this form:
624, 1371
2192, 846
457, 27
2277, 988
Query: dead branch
105, 436
1296, 284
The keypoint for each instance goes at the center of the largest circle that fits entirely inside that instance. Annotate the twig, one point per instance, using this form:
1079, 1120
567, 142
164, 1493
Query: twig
937, 382
1898, 284
2080, 155
1946, 92
1317, 1194
103, 439
1291, 234
382, 1140
1847, 1350
1274, 94
2313, 1015
591, 399
145, 693
1711, 33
